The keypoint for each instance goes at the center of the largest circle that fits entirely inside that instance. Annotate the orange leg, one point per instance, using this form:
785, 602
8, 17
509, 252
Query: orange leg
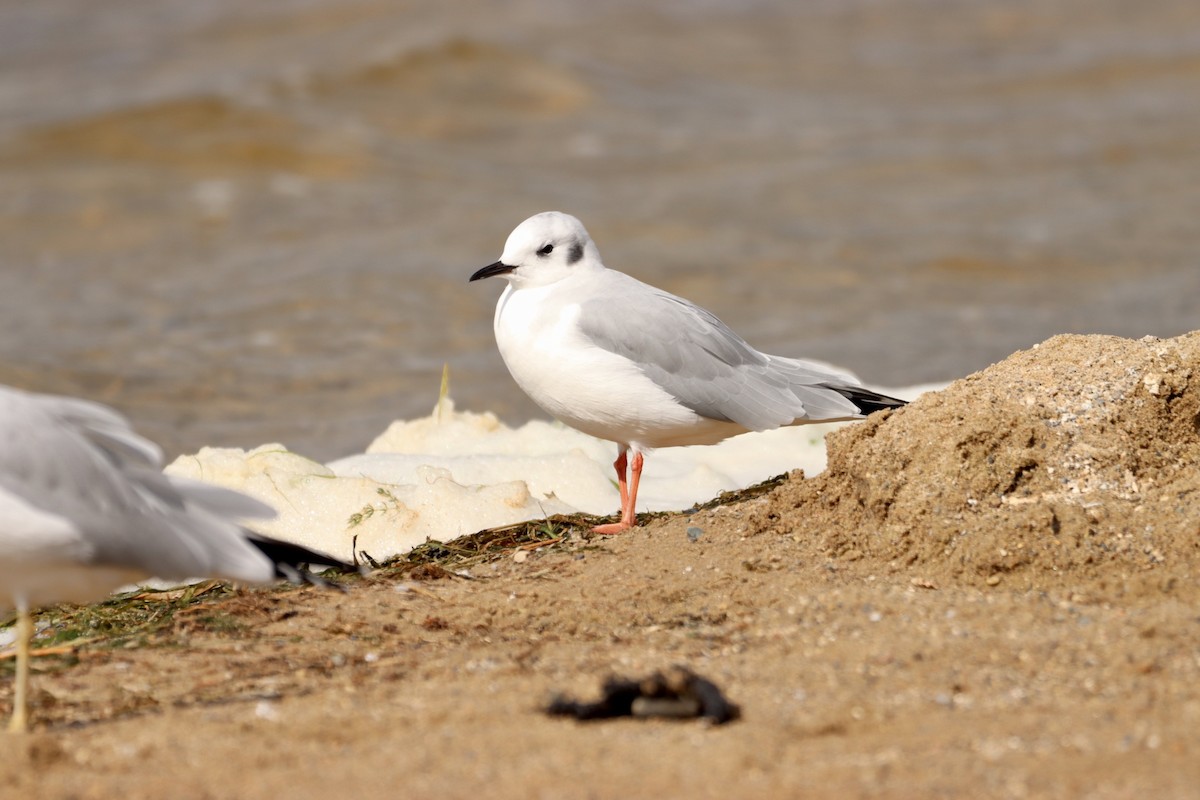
628, 490
622, 484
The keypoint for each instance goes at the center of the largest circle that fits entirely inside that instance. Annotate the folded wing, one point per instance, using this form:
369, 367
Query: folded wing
707, 367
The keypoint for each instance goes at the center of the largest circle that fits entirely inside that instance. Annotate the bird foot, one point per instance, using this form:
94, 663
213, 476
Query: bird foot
611, 528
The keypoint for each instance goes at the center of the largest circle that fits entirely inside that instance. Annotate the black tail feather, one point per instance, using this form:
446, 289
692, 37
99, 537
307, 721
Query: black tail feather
867, 401
290, 559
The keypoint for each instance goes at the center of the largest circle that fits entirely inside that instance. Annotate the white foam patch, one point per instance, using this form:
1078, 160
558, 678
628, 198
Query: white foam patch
458, 472
344, 514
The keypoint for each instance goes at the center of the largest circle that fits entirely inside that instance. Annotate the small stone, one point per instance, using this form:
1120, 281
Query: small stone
694, 533
993, 580
266, 709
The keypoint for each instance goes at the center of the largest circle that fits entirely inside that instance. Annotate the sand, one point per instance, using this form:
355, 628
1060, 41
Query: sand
990, 593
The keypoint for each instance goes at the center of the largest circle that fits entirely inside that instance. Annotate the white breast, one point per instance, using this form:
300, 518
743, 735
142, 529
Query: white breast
600, 393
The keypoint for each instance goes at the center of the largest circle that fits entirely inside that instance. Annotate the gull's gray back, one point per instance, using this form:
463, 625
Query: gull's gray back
707, 367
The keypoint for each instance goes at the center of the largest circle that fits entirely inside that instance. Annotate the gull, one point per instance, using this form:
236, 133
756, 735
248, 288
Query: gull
85, 509
624, 361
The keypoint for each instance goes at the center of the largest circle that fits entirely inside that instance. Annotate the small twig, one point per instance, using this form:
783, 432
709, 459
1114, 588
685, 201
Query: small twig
425, 593
56, 650
182, 592
536, 545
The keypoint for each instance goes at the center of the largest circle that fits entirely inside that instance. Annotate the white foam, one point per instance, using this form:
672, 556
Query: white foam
458, 472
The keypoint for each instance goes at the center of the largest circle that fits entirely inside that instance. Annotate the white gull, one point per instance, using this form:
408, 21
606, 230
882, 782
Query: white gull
624, 361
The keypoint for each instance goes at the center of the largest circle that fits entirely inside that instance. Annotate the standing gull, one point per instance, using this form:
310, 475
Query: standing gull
621, 360
85, 509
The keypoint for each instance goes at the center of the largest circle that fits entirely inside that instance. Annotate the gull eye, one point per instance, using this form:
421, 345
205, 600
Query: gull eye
545, 251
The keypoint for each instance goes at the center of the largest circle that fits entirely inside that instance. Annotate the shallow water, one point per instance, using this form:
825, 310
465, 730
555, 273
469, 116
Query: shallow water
245, 223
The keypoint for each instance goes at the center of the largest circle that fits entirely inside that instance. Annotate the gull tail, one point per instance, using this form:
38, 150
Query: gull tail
867, 401
290, 560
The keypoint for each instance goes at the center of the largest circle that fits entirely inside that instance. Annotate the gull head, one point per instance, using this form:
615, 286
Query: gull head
544, 249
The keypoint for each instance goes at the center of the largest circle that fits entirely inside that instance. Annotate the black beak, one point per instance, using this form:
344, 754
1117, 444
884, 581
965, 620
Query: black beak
499, 268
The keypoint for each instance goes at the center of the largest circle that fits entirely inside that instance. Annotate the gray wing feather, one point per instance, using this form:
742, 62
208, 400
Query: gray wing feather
219, 500
83, 462
106, 429
707, 367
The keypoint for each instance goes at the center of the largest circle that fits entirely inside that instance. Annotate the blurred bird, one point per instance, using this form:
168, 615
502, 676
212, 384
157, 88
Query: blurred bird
85, 508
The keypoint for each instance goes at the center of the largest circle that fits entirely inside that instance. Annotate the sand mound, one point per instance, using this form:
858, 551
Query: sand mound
1079, 457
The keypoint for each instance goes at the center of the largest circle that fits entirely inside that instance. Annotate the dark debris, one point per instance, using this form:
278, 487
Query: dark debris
677, 693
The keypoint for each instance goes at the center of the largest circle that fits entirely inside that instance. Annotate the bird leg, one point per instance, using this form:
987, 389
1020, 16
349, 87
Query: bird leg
19, 722
628, 490
622, 484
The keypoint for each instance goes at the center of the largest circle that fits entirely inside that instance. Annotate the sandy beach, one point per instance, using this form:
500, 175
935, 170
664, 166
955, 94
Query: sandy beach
249, 228
990, 593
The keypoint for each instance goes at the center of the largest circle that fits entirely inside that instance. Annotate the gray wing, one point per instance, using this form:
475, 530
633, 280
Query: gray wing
707, 367
82, 462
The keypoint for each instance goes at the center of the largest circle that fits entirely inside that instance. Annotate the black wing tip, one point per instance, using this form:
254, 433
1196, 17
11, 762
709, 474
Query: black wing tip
867, 401
289, 560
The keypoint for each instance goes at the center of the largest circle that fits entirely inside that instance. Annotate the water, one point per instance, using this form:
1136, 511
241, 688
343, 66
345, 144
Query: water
245, 223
